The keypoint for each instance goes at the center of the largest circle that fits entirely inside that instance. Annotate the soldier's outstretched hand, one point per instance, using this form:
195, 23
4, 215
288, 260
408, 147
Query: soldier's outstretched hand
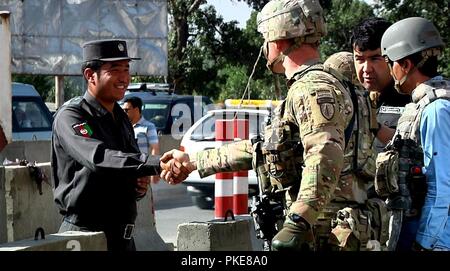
175, 166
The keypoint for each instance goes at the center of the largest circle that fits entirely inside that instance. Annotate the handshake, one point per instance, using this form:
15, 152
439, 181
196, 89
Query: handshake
176, 166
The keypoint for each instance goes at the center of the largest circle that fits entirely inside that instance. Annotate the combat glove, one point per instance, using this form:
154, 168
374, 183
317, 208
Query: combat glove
296, 235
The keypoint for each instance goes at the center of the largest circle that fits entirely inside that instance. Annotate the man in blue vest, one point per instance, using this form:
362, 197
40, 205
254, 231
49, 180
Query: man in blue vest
411, 48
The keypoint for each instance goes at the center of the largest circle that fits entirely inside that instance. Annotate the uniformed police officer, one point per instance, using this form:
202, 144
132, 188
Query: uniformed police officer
304, 145
98, 171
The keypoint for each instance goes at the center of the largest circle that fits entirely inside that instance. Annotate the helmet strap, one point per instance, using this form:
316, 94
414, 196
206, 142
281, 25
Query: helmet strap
398, 83
271, 64
280, 58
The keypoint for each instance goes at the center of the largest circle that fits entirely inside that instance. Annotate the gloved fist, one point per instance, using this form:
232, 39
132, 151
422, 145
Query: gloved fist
296, 235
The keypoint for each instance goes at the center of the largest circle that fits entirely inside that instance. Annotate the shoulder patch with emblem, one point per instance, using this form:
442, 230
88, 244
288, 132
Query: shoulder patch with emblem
82, 129
326, 102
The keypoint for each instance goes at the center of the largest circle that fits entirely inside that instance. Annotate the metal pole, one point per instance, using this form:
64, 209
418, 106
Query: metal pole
59, 90
5, 80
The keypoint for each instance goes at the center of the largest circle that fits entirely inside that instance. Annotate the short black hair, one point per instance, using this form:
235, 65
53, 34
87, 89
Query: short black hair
367, 34
95, 65
135, 102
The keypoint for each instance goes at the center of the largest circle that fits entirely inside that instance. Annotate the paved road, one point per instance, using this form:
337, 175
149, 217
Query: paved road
172, 207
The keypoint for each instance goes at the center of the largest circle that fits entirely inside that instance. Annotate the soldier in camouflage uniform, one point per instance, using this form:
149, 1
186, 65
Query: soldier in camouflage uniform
303, 148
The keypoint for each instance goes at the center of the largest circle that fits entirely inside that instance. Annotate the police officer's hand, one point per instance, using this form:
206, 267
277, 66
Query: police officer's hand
155, 179
142, 185
175, 166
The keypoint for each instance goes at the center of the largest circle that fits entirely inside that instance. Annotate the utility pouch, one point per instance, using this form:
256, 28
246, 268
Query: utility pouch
282, 151
386, 178
283, 155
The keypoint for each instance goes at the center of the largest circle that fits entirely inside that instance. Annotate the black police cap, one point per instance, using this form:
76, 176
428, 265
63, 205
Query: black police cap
106, 50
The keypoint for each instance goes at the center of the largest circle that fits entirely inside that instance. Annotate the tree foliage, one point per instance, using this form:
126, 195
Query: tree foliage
436, 11
341, 16
215, 58
45, 85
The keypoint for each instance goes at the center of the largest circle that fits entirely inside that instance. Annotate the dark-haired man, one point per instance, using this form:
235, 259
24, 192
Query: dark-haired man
373, 74
96, 163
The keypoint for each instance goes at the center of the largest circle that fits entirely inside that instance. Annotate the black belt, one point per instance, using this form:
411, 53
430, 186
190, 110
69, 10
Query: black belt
125, 230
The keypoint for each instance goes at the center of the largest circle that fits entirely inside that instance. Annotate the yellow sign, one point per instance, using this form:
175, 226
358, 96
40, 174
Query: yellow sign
234, 103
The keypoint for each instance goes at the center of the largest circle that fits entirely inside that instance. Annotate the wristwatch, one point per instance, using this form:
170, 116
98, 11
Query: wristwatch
297, 219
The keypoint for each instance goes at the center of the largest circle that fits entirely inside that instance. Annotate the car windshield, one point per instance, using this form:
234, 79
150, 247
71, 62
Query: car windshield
28, 114
156, 112
206, 130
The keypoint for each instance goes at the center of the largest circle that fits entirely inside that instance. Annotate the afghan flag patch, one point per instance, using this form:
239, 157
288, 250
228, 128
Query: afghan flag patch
82, 129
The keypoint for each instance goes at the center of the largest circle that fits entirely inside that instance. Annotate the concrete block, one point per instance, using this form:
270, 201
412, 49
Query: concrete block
38, 151
66, 241
218, 235
22, 208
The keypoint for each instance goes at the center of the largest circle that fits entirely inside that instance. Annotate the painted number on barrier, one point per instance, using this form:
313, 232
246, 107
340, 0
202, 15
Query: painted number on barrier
74, 245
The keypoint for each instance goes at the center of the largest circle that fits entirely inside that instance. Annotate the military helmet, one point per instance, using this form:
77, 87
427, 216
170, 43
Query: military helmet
286, 19
344, 64
409, 36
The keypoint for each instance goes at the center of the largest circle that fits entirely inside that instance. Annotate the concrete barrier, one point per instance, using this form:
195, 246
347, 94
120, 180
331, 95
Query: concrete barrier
219, 235
66, 241
30, 150
146, 237
22, 208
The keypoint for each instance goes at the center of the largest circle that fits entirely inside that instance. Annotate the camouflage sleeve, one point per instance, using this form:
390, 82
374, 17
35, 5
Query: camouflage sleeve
228, 158
318, 108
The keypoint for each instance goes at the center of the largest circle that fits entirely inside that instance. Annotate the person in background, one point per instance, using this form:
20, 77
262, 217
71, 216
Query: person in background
373, 74
145, 131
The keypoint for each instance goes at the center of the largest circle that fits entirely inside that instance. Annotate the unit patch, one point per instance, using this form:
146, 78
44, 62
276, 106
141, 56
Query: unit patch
326, 102
82, 129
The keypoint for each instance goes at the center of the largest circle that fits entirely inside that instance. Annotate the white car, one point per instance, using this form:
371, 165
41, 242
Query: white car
201, 136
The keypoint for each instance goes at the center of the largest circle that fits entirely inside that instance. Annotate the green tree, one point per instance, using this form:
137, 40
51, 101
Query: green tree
42, 83
45, 85
341, 16
436, 11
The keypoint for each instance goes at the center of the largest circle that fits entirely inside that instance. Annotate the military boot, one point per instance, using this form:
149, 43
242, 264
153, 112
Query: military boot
295, 235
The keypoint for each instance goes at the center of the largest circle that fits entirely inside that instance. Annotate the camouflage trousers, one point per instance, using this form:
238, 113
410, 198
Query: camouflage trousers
352, 227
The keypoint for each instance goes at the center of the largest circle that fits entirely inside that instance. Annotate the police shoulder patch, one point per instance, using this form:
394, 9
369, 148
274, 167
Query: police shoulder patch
326, 102
82, 129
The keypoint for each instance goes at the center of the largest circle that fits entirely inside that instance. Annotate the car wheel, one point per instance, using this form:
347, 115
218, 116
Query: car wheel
203, 201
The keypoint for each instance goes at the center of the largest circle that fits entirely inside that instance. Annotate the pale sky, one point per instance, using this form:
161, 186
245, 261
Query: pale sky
232, 10
237, 10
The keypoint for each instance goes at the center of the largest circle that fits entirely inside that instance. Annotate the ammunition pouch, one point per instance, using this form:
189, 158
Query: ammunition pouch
386, 178
379, 221
399, 176
282, 152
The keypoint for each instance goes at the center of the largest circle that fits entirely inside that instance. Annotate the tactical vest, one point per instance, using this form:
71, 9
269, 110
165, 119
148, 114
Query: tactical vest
399, 167
282, 148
